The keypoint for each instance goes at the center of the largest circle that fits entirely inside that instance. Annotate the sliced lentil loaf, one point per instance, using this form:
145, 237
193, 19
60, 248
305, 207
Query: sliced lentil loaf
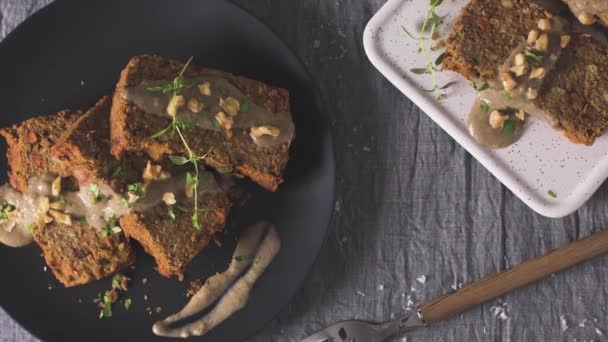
132, 127
173, 242
575, 93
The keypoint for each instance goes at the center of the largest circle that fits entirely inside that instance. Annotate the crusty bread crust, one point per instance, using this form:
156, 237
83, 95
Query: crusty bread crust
131, 128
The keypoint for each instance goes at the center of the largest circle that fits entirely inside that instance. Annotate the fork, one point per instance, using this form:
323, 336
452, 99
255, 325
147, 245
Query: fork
469, 296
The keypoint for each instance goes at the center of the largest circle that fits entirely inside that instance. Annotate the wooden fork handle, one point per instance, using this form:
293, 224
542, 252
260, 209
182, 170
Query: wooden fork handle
523, 274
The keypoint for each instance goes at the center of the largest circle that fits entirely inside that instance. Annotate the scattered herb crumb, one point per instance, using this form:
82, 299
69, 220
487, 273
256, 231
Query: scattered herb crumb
97, 195
552, 194
128, 303
244, 258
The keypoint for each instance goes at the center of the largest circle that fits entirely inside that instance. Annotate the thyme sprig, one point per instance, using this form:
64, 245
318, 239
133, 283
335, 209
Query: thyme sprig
431, 23
177, 126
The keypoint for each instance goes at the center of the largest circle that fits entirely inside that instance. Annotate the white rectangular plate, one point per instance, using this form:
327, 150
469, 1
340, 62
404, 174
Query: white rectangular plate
542, 161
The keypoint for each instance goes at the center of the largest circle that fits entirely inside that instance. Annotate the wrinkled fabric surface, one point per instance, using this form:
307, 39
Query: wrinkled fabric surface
415, 214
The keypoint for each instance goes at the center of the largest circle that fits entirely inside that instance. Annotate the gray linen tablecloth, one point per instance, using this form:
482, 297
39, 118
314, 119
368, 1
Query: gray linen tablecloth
415, 215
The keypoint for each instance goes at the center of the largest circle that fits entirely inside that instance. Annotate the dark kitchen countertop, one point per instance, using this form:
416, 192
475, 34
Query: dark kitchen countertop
415, 214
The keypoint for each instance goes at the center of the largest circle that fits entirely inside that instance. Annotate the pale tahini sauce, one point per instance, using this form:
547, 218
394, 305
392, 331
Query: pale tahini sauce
255, 250
249, 114
16, 230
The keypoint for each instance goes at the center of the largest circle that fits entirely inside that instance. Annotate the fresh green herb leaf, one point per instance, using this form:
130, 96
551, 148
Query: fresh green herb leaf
531, 55
158, 309
506, 94
245, 106
176, 85
82, 220
111, 227
441, 96
107, 306
123, 201
97, 195
480, 87
116, 284
30, 229
440, 59
136, 189
420, 71
195, 222
508, 126
161, 132
408, 32
179, 160
119, 172
484, 106
552, 194
436, 3
244, 258
190, 180
128, 303
171, 213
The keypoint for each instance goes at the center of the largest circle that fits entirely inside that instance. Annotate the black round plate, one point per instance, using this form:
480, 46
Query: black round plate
69, 55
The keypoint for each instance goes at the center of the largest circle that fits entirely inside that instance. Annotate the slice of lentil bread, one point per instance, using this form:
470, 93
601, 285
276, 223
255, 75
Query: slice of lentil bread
171, 238
575, 93
77, 254
132, 128
486, 32
172, 242
29, 143
85, 146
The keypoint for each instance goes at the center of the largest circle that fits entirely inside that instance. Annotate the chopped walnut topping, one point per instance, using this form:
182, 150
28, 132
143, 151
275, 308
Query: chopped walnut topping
225, 121
205, 88
520, 59
497, 119
195, 105
538, 73
265, 130
564, 41
43, 204
175, 104
586, 18
532, 37
152, 171
56, 187
61, 217
542, 43
164, 175
520, 70
132, 197
230, 105
544, 24
507, 81
521, 115
531, 94
58, 205
169, 198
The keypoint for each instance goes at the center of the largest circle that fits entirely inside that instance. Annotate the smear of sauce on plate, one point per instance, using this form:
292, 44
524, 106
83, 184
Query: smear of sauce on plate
256, 249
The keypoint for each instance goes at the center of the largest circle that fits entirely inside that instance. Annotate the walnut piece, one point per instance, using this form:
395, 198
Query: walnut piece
497, 119
176, 102
225, 121
169, 198
205, 88
230, 105
195, 105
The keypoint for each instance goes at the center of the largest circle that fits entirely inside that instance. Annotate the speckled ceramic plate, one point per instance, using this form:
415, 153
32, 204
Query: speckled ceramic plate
542, 161
69, 55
